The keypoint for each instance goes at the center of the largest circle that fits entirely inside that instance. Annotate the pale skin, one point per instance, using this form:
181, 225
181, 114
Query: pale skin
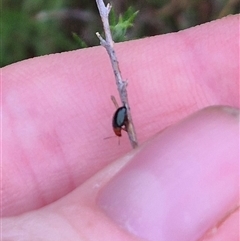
57, 111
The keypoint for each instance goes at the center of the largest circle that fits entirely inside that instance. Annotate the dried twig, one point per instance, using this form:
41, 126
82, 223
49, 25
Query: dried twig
121, 85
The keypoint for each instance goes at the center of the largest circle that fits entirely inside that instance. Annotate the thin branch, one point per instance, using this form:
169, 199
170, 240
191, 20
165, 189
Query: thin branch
121, 84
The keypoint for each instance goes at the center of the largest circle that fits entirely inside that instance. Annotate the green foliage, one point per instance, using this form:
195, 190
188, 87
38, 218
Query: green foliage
120, 24
26, 32
79, 41
31, 28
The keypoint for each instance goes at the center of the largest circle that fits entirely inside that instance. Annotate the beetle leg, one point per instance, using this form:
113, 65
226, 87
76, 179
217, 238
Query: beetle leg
124, 128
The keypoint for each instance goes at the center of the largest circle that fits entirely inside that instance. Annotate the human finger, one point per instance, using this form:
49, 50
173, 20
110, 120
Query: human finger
57, 108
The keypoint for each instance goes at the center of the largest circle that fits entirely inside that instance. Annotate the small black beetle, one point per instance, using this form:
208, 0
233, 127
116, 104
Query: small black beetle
120, 121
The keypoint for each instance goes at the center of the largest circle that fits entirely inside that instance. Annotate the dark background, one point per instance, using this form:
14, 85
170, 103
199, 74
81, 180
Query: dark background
31, 28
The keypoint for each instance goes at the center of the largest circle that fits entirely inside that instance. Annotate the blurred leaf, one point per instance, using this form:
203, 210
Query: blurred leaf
27, 36
78, 40
120, 25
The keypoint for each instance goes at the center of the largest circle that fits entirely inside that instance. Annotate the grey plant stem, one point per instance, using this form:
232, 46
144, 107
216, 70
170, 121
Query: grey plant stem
121, 84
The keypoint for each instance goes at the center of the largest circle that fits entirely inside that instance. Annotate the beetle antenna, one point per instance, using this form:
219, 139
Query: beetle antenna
114, 101
109, 137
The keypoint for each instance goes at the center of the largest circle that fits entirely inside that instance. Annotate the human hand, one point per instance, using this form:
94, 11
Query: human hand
57, 110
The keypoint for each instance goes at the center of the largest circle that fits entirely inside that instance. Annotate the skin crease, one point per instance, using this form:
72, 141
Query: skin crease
57, 110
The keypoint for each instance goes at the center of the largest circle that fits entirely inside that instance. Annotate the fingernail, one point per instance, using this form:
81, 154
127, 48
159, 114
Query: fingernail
182, 182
